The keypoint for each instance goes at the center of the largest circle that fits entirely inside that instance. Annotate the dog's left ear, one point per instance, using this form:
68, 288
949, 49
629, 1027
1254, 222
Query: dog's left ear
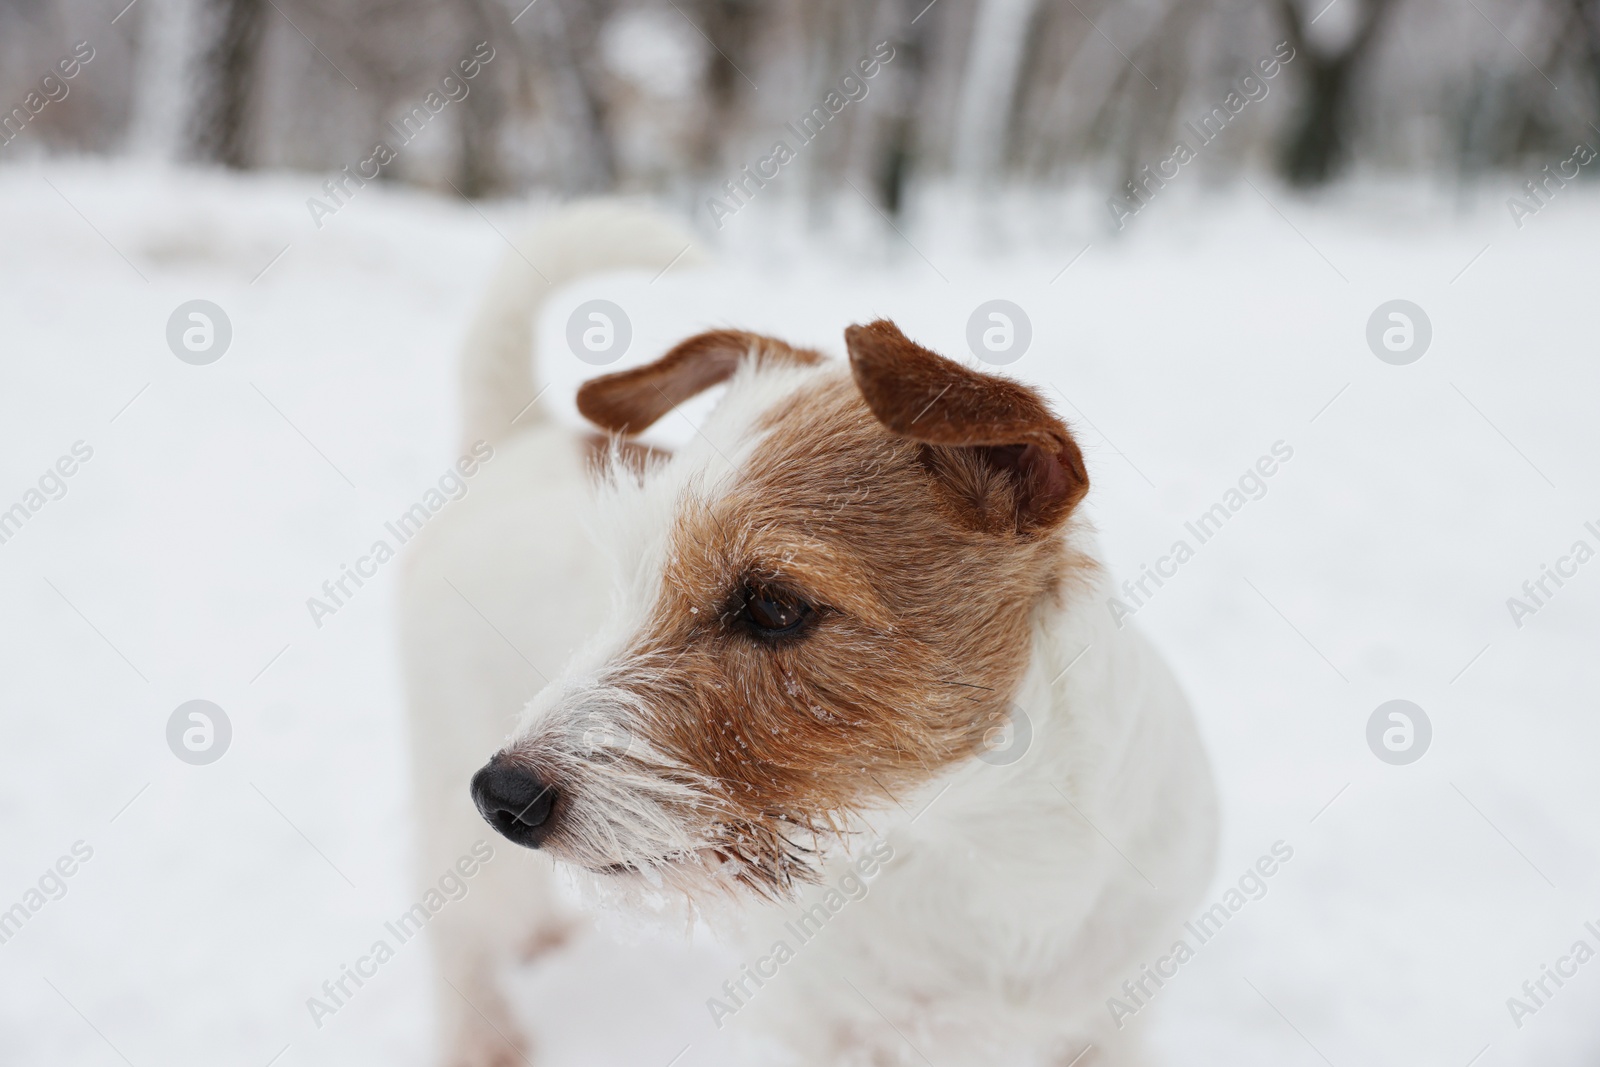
1006, 426
629, 401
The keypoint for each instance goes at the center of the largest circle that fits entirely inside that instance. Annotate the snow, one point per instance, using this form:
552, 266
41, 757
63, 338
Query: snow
1376, 566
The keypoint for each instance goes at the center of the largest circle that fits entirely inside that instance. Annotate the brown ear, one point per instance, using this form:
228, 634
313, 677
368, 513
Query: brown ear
1007, 426
629, 401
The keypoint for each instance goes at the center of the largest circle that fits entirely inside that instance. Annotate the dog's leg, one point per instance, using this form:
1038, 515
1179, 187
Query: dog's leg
492, 916
510, 912
476, 1024
466, 687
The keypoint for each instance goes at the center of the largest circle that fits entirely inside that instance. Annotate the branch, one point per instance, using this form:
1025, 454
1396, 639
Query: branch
1375, 11
1297, 30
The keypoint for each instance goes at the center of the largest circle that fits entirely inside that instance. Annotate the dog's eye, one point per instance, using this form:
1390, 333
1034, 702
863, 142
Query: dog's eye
773, 614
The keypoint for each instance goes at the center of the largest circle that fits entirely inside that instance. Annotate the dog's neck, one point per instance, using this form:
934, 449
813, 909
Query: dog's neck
1056, 700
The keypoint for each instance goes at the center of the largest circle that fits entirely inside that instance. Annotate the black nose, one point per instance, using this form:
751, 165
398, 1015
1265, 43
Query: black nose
513, 801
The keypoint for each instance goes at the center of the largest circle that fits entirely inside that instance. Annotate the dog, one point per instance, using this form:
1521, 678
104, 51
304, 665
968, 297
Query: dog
846, 649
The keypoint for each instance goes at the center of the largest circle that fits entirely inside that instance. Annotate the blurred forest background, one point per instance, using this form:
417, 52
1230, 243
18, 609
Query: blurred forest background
674, 96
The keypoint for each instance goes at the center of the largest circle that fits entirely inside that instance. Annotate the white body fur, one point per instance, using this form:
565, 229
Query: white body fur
1018, 898
1006, 918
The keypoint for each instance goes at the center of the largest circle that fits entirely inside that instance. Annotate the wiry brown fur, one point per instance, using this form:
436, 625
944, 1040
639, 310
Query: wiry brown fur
600, 449
629, 401
928, 398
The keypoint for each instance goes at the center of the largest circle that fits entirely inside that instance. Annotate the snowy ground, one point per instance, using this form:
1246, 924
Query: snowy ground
1376, 566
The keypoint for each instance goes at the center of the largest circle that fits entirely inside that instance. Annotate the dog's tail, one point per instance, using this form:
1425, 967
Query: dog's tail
497, 365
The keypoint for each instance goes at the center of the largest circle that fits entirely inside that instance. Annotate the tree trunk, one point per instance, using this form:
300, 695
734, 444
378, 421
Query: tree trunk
567, 43
163, 76
989, 87
229, 65
1316, 146
899, 154
1586, 13
478, 166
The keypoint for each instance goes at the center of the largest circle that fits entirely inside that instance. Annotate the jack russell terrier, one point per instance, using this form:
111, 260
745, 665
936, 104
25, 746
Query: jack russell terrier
853, 633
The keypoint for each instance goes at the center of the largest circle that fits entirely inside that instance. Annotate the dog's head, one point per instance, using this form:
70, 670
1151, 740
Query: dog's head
826, 601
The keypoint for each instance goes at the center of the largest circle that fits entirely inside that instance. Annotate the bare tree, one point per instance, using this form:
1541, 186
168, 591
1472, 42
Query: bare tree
483, 112
1586, 24
1317, 140
1581, 29
228, 72
991, 89
899, 156
160, 96
566, 40
731, 28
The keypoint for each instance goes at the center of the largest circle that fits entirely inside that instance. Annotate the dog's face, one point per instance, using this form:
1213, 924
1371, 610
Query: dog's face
827, 602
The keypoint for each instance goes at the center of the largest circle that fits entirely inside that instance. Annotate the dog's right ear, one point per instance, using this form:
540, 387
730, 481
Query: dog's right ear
631, 400
1002, 426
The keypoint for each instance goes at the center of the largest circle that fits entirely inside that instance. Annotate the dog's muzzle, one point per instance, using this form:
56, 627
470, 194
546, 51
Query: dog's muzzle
517, 804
